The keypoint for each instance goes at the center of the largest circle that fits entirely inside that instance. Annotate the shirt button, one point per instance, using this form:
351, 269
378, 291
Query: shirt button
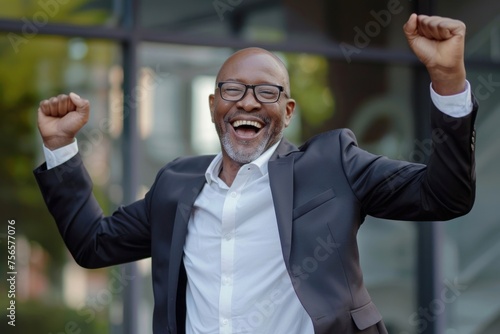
229, 236
226, 280
234, 194
224, 322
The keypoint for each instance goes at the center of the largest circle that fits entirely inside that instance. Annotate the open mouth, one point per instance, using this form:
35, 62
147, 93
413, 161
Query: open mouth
247, 129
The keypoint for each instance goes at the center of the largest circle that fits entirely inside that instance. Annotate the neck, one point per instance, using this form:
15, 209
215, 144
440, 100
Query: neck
229, 170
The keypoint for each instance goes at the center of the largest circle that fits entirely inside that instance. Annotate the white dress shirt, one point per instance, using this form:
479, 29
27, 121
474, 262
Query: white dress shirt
237, 279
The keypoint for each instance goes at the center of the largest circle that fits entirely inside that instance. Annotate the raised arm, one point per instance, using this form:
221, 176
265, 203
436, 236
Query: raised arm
445, 187
93, 239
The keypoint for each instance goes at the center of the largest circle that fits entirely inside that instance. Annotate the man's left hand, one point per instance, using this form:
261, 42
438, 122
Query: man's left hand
439, 44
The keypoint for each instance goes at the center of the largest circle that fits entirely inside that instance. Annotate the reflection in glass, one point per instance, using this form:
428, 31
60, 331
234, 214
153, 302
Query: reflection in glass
37, 13
45, 67
473, 251
204, 139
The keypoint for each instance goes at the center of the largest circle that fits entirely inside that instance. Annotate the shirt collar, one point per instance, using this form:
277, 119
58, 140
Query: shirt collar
213, 170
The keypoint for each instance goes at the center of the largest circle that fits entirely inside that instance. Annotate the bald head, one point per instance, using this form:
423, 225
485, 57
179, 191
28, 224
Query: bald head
252, 61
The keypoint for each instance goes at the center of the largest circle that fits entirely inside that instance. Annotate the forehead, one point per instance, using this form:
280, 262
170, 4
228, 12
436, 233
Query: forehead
253, 68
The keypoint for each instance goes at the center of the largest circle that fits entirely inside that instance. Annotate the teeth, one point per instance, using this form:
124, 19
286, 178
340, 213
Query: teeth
251, 123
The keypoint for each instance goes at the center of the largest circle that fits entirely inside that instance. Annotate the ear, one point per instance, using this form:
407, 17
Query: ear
211, 102
289, 110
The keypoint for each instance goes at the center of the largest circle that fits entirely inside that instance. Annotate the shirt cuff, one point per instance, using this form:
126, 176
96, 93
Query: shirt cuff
458, 105
61, 155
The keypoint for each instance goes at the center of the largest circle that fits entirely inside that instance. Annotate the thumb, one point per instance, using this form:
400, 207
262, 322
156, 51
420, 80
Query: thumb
78, 101
410, 27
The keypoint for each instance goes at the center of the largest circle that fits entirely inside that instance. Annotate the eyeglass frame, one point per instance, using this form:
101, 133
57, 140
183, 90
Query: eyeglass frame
281, 90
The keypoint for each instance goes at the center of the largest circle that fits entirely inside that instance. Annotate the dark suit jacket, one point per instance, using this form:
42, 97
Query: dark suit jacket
321, 191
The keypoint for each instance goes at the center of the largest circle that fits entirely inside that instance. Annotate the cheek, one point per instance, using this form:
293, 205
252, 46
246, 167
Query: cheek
219, 121
219, 111
216, 116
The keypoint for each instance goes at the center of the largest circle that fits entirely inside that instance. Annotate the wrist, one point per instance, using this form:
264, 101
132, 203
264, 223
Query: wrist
448, 83
56, 143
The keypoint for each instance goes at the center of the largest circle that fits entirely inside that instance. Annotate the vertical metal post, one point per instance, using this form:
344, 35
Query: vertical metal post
431, 316
430, 235
130, 151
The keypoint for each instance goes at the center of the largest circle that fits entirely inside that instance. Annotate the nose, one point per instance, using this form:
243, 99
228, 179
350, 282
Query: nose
248, 102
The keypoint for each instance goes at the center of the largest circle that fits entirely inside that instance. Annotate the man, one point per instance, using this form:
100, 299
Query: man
262, 237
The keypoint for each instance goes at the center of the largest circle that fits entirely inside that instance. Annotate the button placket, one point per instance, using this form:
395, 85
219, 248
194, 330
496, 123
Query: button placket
228, 226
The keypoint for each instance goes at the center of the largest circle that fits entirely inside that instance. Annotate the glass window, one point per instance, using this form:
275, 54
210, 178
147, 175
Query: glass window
472, 249
174, 119
483, 25
37, 13
353, 25
249, 19
374, 101
51, 290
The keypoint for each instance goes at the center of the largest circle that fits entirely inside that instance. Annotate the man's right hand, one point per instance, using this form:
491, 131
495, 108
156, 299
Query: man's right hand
60, 118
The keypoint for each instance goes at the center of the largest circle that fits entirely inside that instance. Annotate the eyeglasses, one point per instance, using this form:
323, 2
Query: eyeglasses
235, 91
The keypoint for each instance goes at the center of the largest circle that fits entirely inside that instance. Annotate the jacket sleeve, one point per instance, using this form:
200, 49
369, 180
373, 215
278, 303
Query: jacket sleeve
93, 240
441, 190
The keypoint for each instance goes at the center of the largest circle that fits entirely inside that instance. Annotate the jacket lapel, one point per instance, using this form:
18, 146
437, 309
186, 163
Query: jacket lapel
281, 182
192, 189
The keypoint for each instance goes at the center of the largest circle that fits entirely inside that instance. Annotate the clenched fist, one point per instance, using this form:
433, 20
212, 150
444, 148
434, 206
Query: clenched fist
60, 118
439, 43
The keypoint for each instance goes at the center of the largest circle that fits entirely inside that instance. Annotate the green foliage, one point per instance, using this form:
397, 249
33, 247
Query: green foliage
55, 11
19, 195
309, 87
31, 70
38, 317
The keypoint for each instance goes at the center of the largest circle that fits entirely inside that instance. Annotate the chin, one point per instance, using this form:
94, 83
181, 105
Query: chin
242, 156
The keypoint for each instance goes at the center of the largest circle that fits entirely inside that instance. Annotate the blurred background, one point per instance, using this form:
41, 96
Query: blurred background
147, 67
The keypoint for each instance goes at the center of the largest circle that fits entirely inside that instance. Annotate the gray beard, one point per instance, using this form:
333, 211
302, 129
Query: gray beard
240, 157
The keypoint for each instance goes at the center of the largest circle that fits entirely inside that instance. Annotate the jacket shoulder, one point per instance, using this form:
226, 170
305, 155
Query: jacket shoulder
337, 137
176, 175
188, 165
